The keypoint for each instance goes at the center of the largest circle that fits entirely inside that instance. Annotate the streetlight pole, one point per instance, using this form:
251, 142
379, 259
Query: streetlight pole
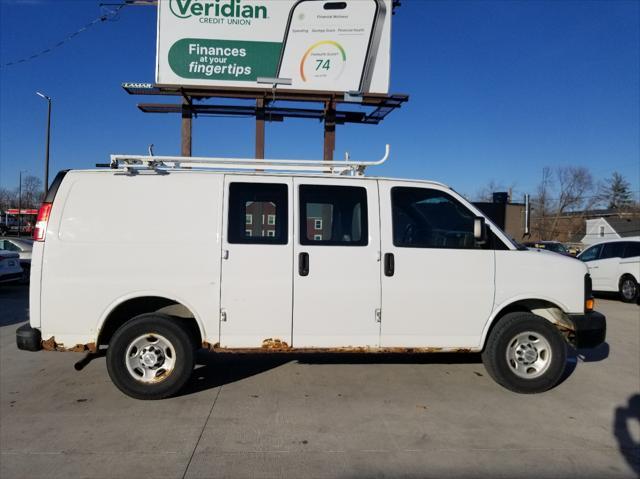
46, 160
20, 205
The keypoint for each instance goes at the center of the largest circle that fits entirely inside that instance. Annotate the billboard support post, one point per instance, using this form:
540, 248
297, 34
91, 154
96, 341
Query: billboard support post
187, 118
329, 130
260, 127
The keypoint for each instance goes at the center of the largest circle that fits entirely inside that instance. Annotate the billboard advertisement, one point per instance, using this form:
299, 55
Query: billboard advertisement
316, 45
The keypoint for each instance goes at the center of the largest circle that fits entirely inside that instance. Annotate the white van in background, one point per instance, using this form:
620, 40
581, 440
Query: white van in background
300, 260
615, 266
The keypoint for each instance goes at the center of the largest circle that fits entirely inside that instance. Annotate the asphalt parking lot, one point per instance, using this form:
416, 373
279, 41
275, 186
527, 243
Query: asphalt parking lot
347, 416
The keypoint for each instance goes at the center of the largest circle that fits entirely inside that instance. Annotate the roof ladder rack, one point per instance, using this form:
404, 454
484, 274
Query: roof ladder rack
134, 163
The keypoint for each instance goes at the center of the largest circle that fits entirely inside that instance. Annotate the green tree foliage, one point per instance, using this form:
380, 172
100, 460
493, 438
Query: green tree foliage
615, 192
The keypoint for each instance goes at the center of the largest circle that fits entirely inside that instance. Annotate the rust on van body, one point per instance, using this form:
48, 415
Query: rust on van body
271, 345
51, 345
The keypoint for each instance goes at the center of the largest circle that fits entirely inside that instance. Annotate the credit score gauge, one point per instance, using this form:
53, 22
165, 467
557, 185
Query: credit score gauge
332, 45
323, 60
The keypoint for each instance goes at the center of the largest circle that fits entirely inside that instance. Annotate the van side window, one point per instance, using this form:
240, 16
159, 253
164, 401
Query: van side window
258, 213
333, 215
591, 254
426, 218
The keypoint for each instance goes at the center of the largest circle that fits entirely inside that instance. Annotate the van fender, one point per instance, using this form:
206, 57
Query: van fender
553, 311
149, 293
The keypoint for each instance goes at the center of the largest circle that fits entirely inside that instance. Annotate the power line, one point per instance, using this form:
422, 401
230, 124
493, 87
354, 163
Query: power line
107, 16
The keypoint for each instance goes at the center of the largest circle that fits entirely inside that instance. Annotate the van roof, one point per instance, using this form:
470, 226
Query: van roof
270, 174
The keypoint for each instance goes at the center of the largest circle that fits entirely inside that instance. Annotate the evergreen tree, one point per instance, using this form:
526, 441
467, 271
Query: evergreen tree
616, 192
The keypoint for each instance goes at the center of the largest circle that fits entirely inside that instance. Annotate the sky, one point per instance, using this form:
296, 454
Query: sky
498, 90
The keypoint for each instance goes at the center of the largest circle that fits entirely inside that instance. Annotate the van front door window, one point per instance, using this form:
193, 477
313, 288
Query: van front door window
424, 218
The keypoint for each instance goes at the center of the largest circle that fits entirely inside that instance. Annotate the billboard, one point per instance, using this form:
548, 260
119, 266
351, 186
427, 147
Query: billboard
341, 46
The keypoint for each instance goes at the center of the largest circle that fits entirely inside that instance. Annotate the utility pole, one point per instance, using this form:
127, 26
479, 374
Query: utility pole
46, 159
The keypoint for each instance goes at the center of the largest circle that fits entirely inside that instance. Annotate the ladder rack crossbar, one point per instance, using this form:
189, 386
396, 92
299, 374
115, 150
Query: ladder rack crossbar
142, 162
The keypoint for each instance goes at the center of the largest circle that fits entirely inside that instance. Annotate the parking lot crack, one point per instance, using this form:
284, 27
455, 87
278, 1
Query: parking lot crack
204, 426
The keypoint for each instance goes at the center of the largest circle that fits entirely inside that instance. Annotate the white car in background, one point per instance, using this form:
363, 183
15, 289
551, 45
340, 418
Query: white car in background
615, 266
23, 247
10, 269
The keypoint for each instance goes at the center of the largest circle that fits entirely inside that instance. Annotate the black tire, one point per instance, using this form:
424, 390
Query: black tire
167, 383
502, 339
628, 289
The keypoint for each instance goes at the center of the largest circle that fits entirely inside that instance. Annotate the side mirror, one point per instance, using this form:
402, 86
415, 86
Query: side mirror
479, 230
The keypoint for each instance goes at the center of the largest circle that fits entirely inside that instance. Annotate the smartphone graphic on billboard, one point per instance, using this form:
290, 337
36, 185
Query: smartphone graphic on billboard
331, 45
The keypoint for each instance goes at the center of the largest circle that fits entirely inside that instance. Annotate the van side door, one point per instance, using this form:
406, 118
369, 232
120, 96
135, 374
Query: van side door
337, 270
257, 261
437, 282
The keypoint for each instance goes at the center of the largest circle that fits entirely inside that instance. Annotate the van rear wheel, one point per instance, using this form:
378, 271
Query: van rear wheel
150, 356
525, 353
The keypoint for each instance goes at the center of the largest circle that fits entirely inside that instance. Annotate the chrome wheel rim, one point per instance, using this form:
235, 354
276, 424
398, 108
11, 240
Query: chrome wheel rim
150, 358
529, 355
628, 289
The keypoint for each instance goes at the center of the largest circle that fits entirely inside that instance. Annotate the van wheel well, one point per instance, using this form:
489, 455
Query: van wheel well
149, 304
540, 307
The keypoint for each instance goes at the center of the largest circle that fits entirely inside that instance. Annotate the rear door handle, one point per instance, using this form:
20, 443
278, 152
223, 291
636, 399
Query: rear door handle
389, 264
303, 264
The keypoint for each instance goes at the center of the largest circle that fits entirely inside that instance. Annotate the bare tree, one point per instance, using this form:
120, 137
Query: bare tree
541, 204
8, 199
31, 191
565, 190
575, 189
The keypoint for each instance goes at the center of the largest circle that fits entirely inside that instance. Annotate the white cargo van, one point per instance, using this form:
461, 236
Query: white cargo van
160, 256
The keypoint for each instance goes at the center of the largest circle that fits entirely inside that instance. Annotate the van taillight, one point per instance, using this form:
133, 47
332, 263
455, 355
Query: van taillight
40, 230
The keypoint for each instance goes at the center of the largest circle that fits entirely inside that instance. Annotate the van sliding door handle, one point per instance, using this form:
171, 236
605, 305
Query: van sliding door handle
303, 264
389, 264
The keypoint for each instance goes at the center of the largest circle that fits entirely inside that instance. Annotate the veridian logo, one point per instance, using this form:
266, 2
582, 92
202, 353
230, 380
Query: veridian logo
216, 8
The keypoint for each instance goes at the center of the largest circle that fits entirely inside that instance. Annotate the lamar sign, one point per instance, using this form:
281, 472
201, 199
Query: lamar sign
317, 44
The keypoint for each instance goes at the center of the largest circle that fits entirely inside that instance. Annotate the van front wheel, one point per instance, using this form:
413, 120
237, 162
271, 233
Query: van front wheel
525, 353
150, 356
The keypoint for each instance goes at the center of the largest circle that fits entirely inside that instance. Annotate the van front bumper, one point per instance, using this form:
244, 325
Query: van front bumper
590, 329
28, 338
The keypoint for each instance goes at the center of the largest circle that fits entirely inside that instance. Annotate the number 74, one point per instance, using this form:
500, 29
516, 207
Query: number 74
323, 64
